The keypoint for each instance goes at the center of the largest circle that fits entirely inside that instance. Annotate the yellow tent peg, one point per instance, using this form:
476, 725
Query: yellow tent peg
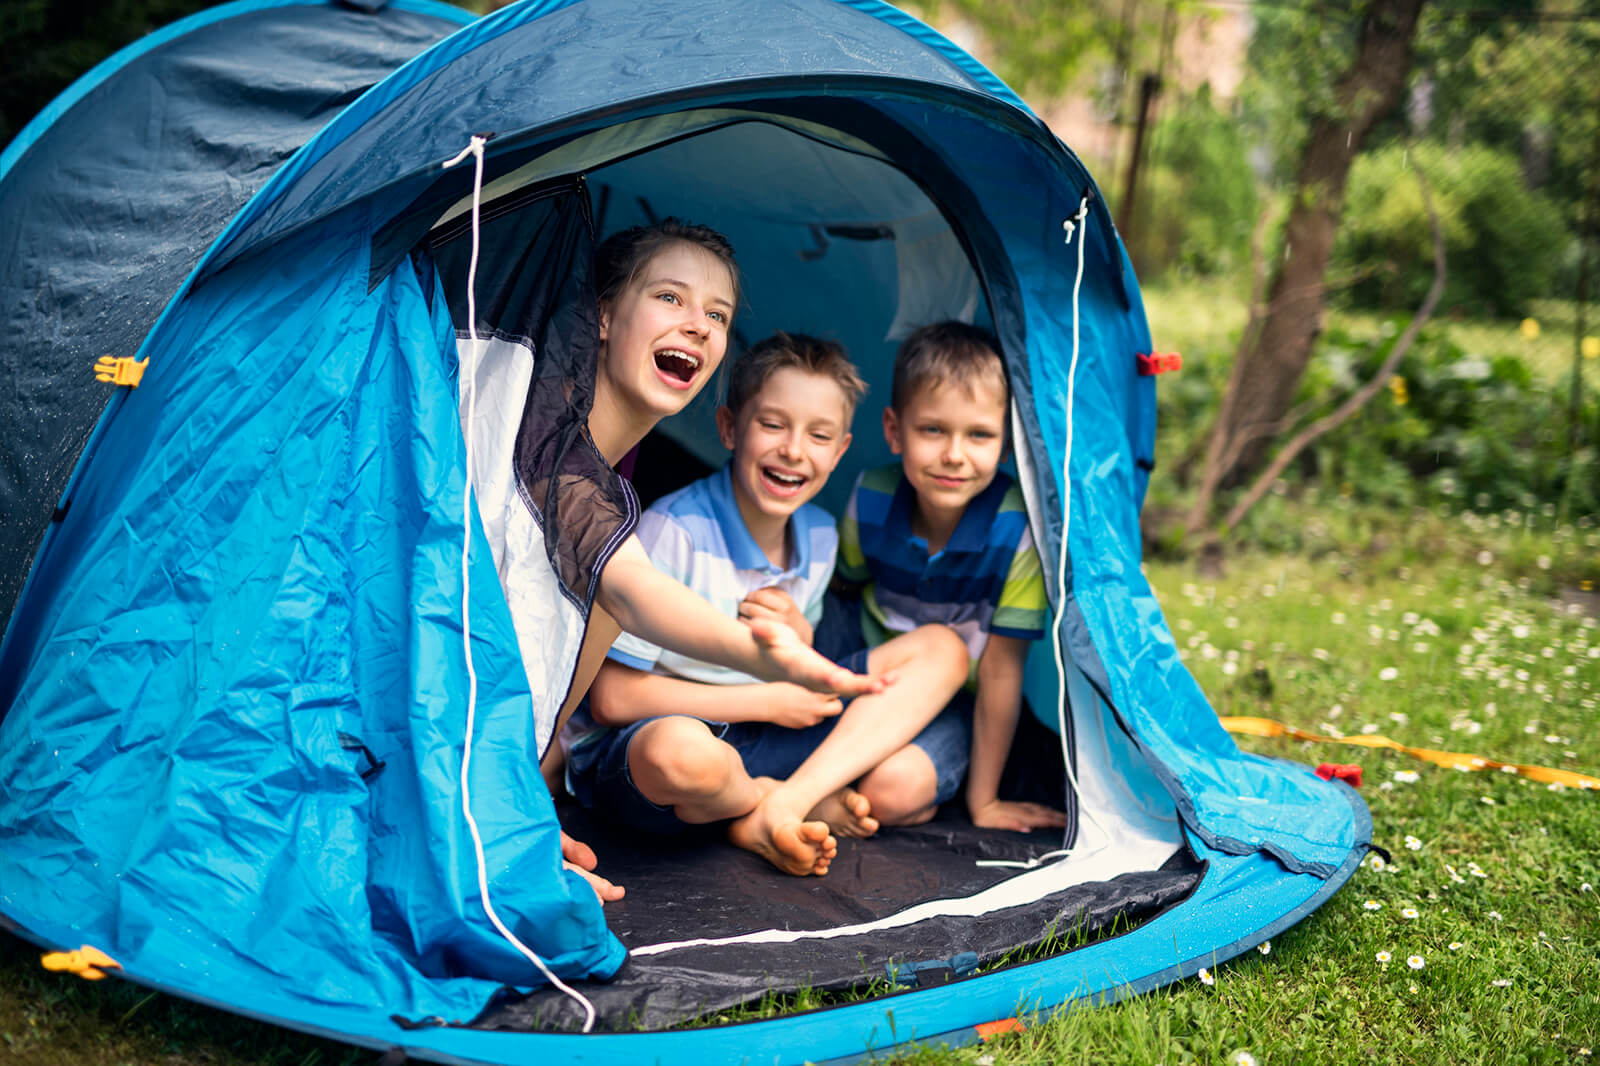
87, 962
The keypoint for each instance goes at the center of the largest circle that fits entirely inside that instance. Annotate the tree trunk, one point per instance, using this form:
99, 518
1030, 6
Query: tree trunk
1278, 344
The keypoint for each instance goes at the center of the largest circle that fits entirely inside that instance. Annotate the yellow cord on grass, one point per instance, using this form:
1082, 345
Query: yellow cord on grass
1266, 727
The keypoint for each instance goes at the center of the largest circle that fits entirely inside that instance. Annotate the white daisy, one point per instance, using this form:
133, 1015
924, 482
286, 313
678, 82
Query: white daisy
1383, 957
1205, 977
1415, 962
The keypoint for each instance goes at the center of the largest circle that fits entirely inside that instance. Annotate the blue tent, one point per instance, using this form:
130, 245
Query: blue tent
236, 725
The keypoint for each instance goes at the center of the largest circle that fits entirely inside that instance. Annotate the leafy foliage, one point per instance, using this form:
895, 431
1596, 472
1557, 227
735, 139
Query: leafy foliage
1506, 245
1199, 202
1472, 429
1036, 46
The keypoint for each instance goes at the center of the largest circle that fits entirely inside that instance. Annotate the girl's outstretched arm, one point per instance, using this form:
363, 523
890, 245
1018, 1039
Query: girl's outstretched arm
649, 604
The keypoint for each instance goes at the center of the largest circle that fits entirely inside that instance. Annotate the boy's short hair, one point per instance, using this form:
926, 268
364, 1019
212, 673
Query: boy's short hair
943, 352
751, 371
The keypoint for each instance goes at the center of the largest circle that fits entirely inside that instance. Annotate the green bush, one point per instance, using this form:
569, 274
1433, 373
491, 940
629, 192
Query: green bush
1197, 200
1505, 245
1477, 432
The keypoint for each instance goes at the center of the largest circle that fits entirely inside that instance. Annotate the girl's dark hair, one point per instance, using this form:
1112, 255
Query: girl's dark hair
620, 257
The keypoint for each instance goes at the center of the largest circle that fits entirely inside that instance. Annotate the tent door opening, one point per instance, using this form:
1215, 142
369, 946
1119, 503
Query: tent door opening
832, 239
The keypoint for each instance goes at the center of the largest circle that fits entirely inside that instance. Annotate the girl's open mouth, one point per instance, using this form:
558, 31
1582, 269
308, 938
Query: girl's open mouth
678, 364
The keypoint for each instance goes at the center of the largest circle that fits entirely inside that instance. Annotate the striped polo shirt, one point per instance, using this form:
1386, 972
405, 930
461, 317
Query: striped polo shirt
987, 579
698, 537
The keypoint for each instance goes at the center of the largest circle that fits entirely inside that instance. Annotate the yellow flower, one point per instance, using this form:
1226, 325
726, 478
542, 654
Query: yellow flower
1529, 329
1590, 347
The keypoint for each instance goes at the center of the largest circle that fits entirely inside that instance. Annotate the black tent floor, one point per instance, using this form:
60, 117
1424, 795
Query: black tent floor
697, 886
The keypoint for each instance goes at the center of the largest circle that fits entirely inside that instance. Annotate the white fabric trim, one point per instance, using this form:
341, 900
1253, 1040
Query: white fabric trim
549, 627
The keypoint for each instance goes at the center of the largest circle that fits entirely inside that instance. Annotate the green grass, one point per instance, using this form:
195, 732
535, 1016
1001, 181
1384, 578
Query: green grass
1489, 632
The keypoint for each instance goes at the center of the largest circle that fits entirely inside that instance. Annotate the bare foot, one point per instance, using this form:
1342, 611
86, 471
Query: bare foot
792, 844
847, 812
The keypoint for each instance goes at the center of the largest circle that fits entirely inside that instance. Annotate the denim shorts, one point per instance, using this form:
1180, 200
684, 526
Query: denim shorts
598, 774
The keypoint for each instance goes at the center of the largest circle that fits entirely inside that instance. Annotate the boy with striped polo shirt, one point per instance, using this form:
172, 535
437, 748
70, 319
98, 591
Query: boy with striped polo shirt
942, 537
669, 741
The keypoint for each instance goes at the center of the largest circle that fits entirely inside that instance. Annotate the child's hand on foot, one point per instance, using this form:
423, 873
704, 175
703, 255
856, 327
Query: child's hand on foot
794, 661
580, 859
1017, 817
794, 707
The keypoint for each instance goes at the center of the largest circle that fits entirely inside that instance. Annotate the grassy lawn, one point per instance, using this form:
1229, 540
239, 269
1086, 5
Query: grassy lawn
1467, 633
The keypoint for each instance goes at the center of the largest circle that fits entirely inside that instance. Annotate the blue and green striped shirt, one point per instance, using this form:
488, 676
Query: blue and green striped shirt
987, 579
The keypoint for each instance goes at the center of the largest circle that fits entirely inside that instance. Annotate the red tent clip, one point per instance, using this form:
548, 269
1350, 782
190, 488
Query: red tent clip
1349, 773
1159, 363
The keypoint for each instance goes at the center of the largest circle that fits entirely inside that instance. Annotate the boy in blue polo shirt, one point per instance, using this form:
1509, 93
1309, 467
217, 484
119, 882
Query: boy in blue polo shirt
943, 536
670, 741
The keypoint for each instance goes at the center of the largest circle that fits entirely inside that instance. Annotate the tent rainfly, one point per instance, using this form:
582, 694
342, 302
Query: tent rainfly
233, 690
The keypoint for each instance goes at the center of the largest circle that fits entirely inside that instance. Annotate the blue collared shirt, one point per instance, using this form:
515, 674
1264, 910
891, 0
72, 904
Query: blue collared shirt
697, 536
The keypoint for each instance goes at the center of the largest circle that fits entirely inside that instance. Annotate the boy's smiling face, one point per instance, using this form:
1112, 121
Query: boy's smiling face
786, 440
950, 438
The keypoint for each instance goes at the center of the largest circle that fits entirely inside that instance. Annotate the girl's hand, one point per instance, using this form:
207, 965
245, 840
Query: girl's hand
1017, 817
797, 708
777, 605
580, 859
786, 658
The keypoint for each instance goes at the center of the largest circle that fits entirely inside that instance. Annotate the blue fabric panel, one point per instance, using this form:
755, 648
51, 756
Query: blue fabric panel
110, 196
111, 65
265, 554
1242, 901
535, 64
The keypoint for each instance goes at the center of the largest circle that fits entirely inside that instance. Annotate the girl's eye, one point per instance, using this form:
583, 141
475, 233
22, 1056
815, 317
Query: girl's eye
670, 297
720, 317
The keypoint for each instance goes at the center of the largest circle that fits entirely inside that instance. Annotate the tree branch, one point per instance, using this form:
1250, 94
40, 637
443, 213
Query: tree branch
1358, 399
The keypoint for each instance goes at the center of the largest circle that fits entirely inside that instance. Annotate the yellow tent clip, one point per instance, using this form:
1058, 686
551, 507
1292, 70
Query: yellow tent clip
87, 962
120, 370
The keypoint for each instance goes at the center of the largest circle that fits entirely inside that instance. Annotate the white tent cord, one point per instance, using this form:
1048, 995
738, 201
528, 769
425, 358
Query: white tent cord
468, 375
1025, 864
1073, 226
